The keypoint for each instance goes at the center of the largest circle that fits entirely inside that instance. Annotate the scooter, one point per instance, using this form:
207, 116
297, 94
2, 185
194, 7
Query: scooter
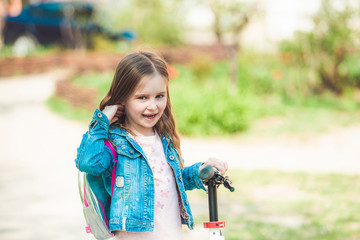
213, 179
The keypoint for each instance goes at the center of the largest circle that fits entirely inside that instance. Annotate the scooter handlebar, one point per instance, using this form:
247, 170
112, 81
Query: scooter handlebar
208, 173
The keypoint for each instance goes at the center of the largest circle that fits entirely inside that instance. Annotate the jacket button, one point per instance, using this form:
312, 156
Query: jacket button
180, 178
187, 202
99, 115
131, 151
171, 157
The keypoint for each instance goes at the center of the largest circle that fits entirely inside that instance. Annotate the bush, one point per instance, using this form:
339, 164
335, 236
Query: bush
202, 65
205, 107
329, 50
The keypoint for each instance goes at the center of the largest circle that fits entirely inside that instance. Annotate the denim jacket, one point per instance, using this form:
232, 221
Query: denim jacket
132, 205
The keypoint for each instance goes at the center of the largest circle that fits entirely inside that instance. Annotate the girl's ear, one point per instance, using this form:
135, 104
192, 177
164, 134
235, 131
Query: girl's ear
121, 108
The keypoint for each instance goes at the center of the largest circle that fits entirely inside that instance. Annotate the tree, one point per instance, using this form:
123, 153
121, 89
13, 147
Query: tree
333, 42
154, 21
230, 19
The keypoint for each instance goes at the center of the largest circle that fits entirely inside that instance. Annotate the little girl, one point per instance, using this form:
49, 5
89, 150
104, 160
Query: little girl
149, 199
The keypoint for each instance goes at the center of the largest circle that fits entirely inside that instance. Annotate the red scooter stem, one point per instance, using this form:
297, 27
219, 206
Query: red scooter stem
214, 224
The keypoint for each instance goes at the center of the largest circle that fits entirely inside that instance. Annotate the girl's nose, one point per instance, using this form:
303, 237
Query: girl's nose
152, 105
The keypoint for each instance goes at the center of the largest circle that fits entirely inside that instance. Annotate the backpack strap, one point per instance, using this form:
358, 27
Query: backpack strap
113, 175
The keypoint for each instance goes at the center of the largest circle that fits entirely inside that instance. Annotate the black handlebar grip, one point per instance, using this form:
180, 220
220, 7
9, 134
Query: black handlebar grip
228, 186
206, 173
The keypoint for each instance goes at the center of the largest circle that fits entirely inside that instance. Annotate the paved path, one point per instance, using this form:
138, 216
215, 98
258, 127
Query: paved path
38, 179
337, 151
39, 198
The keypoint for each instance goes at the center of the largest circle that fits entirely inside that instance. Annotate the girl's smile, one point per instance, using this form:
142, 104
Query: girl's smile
146, 105
149, 117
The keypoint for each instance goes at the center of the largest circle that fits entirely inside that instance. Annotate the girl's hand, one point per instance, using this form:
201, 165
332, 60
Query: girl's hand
220, 165
113, 112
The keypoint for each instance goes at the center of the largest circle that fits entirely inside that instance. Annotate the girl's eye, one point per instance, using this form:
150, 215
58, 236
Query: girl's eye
142, 97
160, 96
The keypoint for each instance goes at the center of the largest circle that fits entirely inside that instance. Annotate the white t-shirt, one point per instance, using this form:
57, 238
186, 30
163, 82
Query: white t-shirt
167, 220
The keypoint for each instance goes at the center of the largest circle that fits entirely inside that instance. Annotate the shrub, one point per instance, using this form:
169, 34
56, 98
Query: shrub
205, 107
202, 65
329, 50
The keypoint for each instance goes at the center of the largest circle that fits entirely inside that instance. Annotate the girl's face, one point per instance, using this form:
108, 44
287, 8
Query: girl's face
146, 105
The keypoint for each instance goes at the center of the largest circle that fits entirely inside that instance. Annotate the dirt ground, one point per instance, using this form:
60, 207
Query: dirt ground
38, 178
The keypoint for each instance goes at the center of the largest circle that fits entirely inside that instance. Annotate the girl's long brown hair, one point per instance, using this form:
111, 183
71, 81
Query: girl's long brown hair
128, 74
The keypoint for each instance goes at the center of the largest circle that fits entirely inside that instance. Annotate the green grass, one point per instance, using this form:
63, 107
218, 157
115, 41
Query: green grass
66, 110
93, 80
283, 206
7, 51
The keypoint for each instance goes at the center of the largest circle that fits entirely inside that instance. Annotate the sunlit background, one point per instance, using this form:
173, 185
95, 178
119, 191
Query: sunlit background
270, 86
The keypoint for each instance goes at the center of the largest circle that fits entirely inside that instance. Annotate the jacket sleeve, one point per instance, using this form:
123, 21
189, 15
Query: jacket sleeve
93, 156
192, 178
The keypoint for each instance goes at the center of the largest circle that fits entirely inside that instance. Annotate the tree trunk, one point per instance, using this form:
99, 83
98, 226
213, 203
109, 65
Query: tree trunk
233, 72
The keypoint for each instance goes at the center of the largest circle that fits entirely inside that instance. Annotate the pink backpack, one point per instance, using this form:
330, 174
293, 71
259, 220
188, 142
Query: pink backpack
94, 211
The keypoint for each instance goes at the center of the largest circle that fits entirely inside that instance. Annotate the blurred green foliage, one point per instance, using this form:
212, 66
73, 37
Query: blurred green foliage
330, 51
201, 66
267, 89
7, 51
95, 80
205, 107
156, 22
67, 110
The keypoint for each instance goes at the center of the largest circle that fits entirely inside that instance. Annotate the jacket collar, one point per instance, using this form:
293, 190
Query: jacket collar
119, 131
122, 132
